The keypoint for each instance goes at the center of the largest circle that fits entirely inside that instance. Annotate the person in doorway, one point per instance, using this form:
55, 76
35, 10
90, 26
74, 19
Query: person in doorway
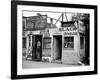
38, 49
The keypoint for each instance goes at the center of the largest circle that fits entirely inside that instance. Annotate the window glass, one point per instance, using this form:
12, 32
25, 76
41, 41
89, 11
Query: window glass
69, 42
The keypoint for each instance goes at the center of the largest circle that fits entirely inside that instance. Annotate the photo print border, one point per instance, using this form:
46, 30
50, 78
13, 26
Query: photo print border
14, 44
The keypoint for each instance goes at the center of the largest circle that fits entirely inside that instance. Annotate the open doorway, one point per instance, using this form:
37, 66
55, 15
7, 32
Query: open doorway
57, 47
37, 47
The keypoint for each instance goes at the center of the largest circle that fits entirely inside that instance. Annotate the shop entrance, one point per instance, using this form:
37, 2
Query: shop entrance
57, 47
37, 47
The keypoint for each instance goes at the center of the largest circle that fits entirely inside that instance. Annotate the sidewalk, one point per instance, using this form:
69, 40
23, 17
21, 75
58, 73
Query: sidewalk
39, 64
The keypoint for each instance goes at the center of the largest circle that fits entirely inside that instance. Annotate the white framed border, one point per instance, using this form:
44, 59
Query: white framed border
21, 71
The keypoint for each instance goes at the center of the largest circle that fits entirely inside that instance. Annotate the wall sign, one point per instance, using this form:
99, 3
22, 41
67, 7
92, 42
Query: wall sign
72, 28
36, 22
70, 33
47, 42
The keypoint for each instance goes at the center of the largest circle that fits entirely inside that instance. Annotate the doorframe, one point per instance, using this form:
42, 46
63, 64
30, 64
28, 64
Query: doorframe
42, 43
61, 44
42, 38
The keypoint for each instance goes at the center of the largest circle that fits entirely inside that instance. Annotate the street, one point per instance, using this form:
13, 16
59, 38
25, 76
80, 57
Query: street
39, 64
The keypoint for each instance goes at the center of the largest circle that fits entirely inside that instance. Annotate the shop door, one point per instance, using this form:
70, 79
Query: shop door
57, 47
37, 47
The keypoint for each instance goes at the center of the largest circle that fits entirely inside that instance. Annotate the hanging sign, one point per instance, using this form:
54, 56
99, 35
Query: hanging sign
81, 27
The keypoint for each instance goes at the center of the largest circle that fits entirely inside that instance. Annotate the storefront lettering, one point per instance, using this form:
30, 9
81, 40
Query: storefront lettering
70, 33
68, 29
36, 22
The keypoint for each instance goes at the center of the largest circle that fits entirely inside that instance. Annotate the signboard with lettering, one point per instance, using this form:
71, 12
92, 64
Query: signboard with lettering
30, 25
81, 27
69, 30
36, 22
70, 33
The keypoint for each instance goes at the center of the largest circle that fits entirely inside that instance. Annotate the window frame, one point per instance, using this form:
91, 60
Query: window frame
72, 42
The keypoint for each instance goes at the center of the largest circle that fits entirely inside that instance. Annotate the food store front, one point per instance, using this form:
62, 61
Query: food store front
64, 45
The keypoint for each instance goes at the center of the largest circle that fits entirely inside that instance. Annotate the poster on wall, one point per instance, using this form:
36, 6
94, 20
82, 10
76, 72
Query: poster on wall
73, 52
47, 43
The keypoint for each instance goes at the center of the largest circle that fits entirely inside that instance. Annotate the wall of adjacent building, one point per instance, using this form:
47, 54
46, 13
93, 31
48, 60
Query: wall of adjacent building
71, 56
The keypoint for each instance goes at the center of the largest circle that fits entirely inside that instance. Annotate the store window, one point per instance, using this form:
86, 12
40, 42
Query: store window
81, 42
24, 42
69, 42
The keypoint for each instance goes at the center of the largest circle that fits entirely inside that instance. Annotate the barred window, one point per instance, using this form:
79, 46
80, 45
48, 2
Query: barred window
69, 42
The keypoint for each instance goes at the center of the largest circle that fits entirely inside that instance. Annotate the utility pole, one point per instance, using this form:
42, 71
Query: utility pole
66, 16
58, 19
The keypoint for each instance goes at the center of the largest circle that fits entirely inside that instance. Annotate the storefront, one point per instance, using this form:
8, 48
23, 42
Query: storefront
64, 45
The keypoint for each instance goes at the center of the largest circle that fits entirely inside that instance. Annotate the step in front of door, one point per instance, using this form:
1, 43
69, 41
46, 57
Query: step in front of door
57, 61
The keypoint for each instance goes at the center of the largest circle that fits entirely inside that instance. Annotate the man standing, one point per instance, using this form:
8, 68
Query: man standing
38, 49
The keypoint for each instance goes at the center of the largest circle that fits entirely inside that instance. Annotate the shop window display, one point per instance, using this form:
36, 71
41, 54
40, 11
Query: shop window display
69, 42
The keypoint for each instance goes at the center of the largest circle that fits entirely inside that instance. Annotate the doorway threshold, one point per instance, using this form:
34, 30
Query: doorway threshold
57, 61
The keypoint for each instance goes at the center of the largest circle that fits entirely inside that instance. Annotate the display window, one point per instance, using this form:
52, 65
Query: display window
69, 42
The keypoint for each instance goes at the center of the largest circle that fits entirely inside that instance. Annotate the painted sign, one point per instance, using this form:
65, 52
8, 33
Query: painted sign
70, 33
81, 27
69, 30
74, 28
47, 42
36, 22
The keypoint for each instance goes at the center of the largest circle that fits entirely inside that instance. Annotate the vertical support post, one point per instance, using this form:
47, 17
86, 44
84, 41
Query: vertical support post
66, 16
62, 17
27, 45
31, 44
78, 42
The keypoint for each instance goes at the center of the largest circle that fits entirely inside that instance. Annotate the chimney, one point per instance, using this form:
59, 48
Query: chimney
38, 14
